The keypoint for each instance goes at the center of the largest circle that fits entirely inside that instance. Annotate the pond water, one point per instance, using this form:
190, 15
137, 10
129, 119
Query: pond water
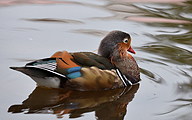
161, 32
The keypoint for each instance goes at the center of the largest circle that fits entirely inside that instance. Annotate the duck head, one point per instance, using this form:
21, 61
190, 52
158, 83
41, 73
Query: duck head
113, 40
114, 47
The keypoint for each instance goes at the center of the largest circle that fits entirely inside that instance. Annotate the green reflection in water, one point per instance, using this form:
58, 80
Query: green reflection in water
172, 54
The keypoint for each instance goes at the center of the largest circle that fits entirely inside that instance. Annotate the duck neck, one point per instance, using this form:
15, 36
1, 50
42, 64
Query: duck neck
126, 64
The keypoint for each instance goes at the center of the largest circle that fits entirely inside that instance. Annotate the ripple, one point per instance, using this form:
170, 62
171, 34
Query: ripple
26, 29
152, 76
184, 38
54, 20
180, 109
172, 53
22, 2
156, 20
185, 87
186, 15
91, 32
163, 13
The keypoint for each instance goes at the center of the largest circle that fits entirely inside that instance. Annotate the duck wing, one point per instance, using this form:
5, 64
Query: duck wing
91, 59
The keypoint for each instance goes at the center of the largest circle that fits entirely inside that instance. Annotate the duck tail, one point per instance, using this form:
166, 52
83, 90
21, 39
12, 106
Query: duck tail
20, 69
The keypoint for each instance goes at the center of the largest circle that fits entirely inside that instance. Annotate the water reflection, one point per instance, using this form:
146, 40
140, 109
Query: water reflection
181, 106
173, 54
180, 36
22, 2
108, 105
152, 76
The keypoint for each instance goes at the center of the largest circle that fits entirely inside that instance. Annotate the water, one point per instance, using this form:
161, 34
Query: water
161, 36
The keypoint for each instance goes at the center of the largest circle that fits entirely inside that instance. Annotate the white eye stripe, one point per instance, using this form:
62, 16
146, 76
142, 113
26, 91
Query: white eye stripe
126, 40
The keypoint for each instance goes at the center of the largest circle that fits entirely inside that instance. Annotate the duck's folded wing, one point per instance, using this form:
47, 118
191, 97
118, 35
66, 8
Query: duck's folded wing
91, 59
67, 60
47, 64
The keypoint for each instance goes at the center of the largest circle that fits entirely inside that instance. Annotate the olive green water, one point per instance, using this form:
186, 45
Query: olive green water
161, 32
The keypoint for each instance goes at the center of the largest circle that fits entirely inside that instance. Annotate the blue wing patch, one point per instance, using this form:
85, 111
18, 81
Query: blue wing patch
74, 69
74, 72
74, 75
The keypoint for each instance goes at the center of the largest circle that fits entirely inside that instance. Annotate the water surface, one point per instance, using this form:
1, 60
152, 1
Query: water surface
161, 36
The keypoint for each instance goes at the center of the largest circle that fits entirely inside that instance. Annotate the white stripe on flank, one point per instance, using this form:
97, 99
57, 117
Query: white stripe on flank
127, 80
119, 74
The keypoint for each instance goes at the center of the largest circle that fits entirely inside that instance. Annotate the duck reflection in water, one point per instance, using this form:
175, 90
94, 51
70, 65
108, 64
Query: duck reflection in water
107, 104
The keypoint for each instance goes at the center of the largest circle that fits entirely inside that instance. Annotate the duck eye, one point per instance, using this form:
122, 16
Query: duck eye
125, 40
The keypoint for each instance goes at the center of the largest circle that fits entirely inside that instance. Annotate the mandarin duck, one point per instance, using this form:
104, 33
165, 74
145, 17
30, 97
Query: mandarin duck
113, 67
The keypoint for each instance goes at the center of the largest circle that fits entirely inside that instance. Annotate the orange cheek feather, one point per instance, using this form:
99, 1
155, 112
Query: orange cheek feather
123, 49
